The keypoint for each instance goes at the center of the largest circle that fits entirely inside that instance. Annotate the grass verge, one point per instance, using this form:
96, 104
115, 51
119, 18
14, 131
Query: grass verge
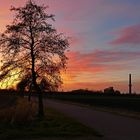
55, 124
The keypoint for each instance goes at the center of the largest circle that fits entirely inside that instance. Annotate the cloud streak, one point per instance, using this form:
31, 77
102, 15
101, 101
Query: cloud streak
99, 60
128, 35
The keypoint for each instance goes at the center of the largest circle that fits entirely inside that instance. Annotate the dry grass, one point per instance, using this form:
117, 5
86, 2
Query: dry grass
23, 111
19, 121
7, 100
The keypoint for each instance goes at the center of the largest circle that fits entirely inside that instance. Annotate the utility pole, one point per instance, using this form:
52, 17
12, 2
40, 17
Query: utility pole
130, 84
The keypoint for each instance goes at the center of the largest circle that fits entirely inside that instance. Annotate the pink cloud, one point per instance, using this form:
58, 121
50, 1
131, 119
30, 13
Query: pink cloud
128, 35
100, 61
74, 38
75, 10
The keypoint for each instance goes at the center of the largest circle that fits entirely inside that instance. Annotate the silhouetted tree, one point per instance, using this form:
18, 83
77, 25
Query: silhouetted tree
31, 45
25, 84
111, 91
46, 85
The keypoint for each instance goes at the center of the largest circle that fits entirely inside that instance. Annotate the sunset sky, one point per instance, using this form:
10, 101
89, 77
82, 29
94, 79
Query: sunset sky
104, 40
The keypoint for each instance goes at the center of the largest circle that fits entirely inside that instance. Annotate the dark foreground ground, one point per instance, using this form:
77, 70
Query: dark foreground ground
18, 120
113, 127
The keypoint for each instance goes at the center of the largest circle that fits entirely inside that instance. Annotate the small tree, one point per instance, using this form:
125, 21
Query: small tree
31, 46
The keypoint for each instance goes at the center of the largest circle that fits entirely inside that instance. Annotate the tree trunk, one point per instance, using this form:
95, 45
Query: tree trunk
38, 91
29, 96
40, 104
40, 98
34, 82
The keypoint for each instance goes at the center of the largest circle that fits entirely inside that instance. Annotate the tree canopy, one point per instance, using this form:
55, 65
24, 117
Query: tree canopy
32, 46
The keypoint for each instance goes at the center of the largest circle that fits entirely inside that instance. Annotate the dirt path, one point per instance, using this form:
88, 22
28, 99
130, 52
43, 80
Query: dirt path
113, 127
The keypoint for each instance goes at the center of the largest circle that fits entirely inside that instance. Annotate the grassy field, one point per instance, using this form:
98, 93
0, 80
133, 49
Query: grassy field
7, 100
131, 103
24, 126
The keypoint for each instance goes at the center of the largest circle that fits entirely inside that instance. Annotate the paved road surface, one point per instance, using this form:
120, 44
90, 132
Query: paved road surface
113, 127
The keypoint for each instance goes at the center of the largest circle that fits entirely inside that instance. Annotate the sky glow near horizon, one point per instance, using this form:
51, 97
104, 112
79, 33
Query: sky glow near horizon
104, 40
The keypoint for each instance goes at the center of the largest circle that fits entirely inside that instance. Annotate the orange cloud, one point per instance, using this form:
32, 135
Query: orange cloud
83, 68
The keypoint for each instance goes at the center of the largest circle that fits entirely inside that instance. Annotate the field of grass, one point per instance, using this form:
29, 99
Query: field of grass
7, 100
131, 103
53, 125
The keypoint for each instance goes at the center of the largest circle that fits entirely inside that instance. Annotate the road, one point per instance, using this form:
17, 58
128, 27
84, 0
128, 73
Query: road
113, 127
